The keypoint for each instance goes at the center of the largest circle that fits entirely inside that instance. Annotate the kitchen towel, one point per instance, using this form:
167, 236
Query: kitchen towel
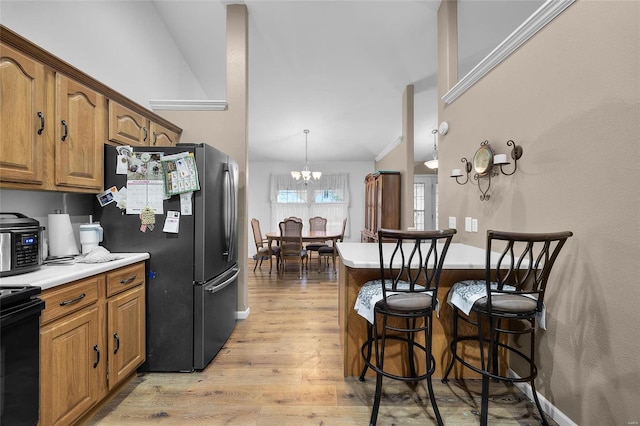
61, 239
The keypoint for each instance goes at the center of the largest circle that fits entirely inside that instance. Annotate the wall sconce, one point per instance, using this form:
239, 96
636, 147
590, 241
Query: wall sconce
483, 164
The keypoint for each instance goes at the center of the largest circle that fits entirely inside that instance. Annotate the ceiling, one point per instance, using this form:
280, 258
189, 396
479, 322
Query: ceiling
337, 68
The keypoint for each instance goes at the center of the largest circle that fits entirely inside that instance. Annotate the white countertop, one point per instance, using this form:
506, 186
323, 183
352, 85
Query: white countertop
366, 256
52, 275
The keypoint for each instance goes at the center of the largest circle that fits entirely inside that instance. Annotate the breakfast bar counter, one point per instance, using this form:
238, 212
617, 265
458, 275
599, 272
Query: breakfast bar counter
359, 263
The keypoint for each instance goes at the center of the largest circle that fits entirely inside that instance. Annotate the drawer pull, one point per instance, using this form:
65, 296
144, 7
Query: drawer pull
128, 280
41, 129
115, 336
66, 130
74, 300
97, 350
146, 134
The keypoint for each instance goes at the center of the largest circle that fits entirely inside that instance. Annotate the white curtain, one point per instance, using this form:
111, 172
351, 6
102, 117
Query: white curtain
328, 197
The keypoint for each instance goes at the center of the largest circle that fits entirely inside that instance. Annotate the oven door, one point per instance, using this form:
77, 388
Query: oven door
20, 363
215, 305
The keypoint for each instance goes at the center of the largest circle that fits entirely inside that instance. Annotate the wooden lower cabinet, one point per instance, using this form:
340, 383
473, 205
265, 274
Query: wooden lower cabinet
92, 338
71, 364
126, 335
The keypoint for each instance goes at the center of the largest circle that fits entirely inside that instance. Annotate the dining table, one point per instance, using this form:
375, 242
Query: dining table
307, 237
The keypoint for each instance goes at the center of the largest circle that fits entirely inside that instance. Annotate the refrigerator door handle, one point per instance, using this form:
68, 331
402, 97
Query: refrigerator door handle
215, 287
230, 213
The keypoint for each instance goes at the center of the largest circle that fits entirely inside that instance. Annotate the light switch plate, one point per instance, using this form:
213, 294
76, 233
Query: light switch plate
467, 224
452, 222
474, 225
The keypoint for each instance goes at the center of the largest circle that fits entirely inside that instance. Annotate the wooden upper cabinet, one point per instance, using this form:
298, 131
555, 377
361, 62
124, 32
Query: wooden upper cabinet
162, 136
79, 134
127, 127
55, 120
23, 116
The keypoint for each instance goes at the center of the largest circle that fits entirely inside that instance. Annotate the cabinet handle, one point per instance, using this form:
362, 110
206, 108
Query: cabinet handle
146, 134
155, 138
97, 350
66, 130
115, 336
74, 300
128, 280
41, 129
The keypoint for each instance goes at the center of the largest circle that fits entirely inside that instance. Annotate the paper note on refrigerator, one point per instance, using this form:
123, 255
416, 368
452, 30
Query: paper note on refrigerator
143, 193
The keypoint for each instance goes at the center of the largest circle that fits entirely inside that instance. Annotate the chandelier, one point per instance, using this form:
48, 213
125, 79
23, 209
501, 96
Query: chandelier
433, 164
305, 176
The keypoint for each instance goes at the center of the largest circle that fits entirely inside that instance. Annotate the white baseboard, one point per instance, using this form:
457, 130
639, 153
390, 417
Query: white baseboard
242, 315
548, 408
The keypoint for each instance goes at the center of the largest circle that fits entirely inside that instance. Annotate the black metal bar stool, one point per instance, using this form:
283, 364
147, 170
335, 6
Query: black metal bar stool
403, 301
505, 305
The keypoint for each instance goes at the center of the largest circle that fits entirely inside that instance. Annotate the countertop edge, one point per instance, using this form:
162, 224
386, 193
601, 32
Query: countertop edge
365, 256
49, 276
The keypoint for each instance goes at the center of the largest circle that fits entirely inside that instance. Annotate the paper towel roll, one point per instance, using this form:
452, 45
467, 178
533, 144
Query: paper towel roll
61, 239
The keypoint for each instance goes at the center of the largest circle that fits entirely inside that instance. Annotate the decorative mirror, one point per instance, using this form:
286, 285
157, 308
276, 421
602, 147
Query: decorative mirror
483, 164
483, 159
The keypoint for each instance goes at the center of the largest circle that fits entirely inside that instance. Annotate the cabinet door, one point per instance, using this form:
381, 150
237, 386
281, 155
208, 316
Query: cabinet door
71, 367
22, 114
161, 136
126, 334
80, 135
127, 127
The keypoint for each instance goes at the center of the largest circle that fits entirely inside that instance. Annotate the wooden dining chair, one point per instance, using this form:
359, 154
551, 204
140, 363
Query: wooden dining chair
330, 250
503, 308
290, 242
316, 223
262, 249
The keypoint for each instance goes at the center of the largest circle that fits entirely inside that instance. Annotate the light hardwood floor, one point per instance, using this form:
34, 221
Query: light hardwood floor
283, 366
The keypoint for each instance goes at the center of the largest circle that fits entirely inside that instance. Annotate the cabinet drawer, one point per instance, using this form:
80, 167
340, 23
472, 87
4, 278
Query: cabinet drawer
125, 278
69, 298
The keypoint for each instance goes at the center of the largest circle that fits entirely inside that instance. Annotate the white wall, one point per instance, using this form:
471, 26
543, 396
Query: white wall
258, 192
123, 44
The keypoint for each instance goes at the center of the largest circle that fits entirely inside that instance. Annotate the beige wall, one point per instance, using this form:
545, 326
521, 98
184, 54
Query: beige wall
570, 96
401, 159
227, 130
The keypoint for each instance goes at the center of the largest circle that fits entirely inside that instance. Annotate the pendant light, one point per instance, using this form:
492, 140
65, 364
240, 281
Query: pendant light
433, 164
305, 175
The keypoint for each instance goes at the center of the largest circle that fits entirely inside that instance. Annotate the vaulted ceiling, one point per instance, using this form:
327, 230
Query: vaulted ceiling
337, 68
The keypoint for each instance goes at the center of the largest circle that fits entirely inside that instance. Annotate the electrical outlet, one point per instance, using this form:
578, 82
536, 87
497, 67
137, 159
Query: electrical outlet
474, 225
452, 222
467, 224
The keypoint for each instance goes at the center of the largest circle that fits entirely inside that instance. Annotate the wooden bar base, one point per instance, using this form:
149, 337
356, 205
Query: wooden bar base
353, 327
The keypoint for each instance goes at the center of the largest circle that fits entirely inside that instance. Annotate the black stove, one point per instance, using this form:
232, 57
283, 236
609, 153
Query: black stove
20, 310
16, 294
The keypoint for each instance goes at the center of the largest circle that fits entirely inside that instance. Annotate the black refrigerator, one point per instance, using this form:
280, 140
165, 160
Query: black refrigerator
192, 275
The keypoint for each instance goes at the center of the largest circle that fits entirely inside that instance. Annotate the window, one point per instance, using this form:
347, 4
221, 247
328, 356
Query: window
292, 196
418, 205
329, 198
425, 202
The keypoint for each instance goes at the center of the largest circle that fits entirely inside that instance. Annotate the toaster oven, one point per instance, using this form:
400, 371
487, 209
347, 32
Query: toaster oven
19, 244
